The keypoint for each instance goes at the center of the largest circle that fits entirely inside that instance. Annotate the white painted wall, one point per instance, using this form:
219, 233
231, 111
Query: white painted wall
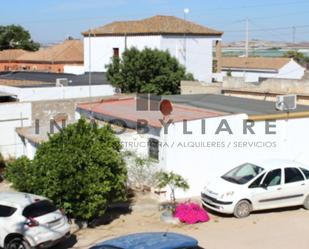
29, 149
74, 69
291, 70
198, 51
200, 163
101, 48
199, 54
12, 116
54, 93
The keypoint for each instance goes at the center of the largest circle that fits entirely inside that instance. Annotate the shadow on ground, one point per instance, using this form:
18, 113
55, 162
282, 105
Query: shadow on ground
113, 212
278, 210
69, 243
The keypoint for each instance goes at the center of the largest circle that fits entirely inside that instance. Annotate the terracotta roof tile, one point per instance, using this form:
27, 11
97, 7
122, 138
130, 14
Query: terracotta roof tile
11, 54
69, 51
153, 25
254, 63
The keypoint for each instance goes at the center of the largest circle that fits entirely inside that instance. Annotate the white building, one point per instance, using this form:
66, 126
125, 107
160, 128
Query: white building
29, 96
190, 43
255, 68
207, 136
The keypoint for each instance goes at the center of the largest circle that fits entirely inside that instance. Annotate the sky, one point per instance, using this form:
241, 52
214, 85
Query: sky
52, 21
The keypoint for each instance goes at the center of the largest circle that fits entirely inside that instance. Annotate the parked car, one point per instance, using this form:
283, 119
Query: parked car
258, 186
150, 241
30, 221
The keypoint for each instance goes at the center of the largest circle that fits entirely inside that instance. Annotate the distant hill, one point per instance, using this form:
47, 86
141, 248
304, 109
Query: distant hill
266, 44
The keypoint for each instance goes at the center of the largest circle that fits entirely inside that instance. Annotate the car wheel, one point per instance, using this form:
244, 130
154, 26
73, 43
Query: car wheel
18, 243
242, 209
306, 203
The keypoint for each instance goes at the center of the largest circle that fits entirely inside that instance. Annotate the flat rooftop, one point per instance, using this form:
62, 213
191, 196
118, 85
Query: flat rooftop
6, 95
43, 79
126, 110
228, 104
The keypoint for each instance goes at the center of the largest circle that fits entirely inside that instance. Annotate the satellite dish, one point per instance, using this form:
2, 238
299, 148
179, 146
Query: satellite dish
166, 107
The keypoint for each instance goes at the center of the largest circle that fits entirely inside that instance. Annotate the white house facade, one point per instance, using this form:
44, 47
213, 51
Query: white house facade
190, 43
255, 68
197, 144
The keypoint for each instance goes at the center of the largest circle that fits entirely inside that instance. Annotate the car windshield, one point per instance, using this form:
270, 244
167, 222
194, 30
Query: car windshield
243, 173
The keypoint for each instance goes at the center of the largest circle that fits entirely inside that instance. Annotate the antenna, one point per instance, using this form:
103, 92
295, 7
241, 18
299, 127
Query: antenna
294, 34
247, 38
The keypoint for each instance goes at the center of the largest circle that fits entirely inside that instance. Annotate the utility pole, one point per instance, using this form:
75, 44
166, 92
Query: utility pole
247, 38
89, 66
185, 12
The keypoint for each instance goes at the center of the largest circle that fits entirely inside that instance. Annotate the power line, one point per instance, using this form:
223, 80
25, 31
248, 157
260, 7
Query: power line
269, 29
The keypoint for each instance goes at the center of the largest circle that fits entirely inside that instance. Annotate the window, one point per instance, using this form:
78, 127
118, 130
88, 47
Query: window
293, 175
6, 211
116, 52
153, 148
273, 178
257, 182
39, 208
243, 173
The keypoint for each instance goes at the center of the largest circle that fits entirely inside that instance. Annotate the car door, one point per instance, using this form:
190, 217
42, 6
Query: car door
294, 187
268, 194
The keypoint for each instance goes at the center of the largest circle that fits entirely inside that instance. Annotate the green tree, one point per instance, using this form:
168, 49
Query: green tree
81, 169
16, 37
147, 71
173, 181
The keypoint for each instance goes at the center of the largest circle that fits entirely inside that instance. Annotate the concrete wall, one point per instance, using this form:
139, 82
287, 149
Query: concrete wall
74, 69
265, 90
282, 86
53, 93
13, 115
202, 157
195, 87
198, 59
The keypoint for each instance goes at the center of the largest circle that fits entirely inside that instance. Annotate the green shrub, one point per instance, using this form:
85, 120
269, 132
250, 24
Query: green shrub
2, 163
81, 169
18, 173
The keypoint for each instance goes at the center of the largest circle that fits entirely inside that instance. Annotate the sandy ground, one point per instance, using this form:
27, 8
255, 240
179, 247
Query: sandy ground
284, 229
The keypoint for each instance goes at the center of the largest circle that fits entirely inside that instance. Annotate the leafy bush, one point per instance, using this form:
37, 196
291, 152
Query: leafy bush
2, 163
147, 71
81, 169
18, 173
191, 213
